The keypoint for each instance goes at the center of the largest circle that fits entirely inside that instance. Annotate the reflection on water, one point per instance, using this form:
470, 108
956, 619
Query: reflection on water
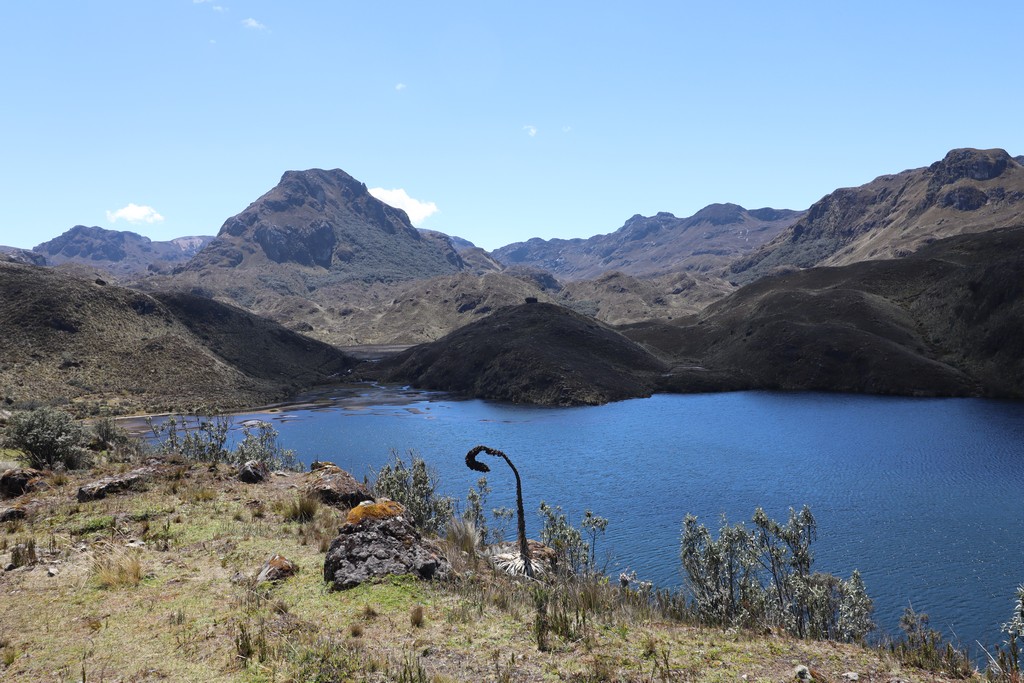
922, 495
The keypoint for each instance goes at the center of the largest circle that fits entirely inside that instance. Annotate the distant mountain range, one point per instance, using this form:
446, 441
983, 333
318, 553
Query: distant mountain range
119, 253
708, 240
319, 255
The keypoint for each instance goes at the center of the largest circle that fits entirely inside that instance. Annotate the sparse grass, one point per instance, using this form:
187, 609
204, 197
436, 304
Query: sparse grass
179, 615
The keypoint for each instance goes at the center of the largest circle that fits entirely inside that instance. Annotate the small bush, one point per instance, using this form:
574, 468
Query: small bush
262, 445
49, 437
415, 487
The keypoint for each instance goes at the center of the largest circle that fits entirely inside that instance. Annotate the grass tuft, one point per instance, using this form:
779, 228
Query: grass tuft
302, 509
117, 569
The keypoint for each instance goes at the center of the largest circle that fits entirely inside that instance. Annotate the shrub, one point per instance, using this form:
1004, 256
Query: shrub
262, 445
923, 647
107, 435
476, 500
202, 441
762, 577
49, 437
1006, 666
415, 487
575, 555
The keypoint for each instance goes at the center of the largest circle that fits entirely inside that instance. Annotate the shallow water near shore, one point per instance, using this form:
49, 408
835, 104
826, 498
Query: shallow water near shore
924, 496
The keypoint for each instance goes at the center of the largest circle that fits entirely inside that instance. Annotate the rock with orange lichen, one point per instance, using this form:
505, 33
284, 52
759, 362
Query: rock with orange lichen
381, 509
276, 568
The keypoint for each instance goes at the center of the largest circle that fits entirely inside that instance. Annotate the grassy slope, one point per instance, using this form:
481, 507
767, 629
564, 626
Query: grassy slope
187, 620
99, 347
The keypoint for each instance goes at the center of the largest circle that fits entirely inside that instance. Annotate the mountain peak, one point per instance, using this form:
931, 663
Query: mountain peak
973, 164
328, 220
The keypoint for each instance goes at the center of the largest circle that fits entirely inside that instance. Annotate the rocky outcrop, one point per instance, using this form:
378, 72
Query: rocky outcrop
326, 220
378, 547
336, 487
968, 191
117, 484
13, 513
20, 480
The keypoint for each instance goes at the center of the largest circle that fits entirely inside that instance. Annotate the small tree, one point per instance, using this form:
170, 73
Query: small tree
49, 437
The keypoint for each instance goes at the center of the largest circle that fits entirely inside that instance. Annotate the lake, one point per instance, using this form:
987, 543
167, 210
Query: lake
924, 496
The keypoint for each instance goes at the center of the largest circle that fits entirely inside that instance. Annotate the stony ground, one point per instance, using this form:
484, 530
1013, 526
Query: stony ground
157, 584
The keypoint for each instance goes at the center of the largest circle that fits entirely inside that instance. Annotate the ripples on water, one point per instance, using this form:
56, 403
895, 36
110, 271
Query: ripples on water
922, 495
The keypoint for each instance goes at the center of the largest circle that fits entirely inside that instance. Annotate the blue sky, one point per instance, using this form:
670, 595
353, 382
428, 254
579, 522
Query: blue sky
553, 119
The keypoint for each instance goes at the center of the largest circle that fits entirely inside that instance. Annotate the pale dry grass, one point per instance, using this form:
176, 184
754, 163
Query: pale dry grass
184, 608
117, 568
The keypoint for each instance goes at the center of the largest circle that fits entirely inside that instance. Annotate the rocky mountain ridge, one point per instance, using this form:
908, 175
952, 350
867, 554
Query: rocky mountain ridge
117, 252
654, 245
968, 191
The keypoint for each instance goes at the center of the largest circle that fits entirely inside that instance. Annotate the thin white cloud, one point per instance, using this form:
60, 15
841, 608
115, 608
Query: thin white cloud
253, 24
531, 131
219, 8
418, 211
399, 86
566, 129
133, 213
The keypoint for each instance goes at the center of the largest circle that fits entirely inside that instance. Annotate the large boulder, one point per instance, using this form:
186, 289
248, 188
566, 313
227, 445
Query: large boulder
18, 480
335, 486
377, 547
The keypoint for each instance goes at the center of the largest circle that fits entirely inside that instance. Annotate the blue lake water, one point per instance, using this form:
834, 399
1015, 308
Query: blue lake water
924, 496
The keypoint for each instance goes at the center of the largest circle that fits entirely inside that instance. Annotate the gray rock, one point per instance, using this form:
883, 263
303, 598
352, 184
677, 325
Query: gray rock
18, 480
253, 472
375, 548
116, 484
12, 513
336, 487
